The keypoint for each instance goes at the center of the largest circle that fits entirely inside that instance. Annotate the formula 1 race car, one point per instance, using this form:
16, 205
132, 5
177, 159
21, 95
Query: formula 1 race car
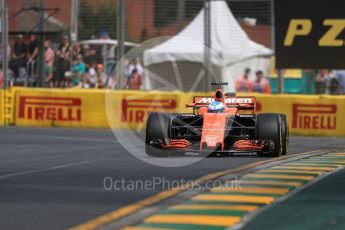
219, 125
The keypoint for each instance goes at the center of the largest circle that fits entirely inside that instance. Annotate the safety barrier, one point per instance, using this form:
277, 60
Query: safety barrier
308, 115
8, 106
129, 109
60, 108
2, 107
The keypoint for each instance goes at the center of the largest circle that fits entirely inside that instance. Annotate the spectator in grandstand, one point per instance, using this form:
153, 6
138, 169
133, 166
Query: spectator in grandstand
10, 72
1, 77
334, 87
101, 51
64, 46
340, 76
89, 55
78, 71
76, 50
111, 82
2, 52
135, 80
32, 48
48, 75
126, 68
90, 80
18, 60
101, 77
243, 83
136, 64
110, 56
62, 74
261, 84
9, 77
326, 83
49, 53
104, 35
32, 54
107, 51
62, 63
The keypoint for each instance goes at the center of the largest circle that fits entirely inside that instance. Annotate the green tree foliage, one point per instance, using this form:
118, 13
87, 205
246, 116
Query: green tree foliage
93, 20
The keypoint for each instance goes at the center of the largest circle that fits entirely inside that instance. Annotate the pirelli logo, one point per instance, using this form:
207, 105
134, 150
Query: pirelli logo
314, 116
49, 108
135, 110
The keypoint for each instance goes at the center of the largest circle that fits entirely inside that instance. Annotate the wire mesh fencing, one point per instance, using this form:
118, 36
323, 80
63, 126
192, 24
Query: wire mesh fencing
90, 31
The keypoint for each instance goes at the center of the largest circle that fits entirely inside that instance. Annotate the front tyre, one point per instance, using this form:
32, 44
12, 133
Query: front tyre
285, 133
269, 128
157, 133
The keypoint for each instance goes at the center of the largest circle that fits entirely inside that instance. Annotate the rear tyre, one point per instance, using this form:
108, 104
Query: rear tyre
269, 128
157, 132
285, 132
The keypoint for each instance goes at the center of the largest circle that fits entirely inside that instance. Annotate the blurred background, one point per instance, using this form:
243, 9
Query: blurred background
77, 43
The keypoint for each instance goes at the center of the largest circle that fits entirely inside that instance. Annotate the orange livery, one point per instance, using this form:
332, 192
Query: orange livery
223, 124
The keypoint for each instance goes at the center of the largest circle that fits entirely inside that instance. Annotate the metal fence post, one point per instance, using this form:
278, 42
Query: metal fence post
5, 42
280, 76
120, 31
74, 26
74, 20
41, 59
273, 43
181, 11
4, 31
207, 44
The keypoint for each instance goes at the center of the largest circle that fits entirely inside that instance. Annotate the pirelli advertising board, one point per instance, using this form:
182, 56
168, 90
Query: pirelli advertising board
60, 108
308, 115
310, 34
90, 108
130, 109
2, 106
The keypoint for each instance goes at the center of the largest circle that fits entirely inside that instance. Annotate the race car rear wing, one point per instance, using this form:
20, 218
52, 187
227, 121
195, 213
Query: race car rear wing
239, 102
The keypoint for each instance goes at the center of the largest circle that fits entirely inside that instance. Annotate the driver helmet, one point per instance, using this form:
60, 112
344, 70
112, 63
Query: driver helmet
216, 107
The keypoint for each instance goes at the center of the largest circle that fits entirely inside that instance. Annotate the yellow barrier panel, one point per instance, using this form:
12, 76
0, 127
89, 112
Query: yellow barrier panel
8, 106
2, 107
61, 108
91, 108
308, 115
129, 109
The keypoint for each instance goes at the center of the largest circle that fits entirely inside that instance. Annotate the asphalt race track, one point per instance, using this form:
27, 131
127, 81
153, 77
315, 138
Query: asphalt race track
53, 178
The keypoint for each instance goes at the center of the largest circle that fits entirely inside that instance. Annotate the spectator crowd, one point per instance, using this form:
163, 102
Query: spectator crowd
259, 85
71, 65
330, 82
90, 66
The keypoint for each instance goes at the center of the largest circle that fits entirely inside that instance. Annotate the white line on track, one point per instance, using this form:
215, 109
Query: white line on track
69, 138
48, 169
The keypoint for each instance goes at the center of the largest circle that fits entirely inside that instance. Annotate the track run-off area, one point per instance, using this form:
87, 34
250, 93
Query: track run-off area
54, 178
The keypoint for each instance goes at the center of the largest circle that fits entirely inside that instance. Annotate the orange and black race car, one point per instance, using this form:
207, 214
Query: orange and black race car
220, 125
